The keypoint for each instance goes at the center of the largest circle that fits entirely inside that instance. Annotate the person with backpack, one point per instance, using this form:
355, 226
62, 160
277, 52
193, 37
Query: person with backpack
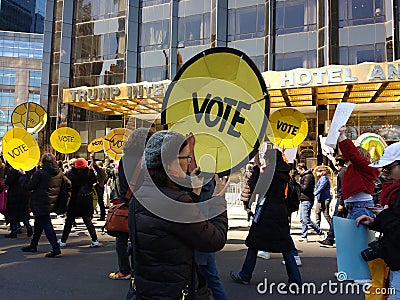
81, 202
45, 186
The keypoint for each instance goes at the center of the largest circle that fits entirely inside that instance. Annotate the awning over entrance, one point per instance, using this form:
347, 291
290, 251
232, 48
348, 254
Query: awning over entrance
363, 83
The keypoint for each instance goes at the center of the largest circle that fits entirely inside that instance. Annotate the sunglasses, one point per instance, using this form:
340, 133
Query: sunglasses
389, 168
188, 157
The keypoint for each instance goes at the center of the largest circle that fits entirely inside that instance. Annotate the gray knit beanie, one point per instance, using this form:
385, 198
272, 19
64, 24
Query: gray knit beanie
163, 146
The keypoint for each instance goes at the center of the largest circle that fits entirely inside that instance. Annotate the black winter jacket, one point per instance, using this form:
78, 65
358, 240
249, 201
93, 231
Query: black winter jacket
45, 185
388, 222
17, 199
79, 178
272, 232
307, 184
164, 249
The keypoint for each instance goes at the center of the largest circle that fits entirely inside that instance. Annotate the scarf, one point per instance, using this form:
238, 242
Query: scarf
390, 190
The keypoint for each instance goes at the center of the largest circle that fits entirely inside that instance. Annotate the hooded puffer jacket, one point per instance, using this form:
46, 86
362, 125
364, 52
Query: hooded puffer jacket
164, 249
45, 185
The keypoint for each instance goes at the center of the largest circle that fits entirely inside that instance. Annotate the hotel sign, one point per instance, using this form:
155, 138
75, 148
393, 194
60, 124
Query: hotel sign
126, 91
333, 75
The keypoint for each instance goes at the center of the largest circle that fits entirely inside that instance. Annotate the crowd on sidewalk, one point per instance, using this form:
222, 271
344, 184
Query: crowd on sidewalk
175, 206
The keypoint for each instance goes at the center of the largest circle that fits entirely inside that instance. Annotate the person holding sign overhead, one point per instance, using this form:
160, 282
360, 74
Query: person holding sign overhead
358, 179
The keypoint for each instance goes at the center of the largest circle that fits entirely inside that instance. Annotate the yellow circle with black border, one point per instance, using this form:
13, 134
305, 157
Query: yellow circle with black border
114, 141
65, 140
37, 117
287, 128
20, 149
220, 96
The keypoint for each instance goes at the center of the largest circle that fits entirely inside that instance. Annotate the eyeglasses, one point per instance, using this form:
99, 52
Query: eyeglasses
390, 167
188, 157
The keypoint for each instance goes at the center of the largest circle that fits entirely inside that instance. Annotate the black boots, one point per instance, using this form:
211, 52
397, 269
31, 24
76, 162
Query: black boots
29, 248
54, 253
11, 235
29, 230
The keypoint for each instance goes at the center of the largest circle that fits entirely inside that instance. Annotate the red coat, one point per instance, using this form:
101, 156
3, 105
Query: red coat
358, 177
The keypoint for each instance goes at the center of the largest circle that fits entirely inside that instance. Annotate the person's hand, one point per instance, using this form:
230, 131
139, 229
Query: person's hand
197, 181
221, 185
21, 171
365, 220
342, 135
340, 208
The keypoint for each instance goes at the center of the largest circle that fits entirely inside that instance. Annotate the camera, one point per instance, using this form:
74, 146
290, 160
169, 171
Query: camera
374, 250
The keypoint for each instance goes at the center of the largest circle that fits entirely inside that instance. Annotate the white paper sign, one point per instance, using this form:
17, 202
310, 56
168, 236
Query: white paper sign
290, 153
340, 118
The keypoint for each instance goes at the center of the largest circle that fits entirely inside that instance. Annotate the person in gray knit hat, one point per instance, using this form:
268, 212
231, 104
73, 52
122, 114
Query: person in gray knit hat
163, 146
168, 223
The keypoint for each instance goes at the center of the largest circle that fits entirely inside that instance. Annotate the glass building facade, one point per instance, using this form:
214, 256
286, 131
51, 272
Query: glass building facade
20, 72
95, 42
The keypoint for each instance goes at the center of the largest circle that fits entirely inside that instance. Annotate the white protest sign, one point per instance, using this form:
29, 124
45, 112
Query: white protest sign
342, 114
290, 153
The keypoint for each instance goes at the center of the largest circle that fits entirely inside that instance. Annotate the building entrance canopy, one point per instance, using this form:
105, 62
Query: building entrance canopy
363, 83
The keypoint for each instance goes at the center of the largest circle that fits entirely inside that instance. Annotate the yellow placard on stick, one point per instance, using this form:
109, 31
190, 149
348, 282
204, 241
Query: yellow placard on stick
20, 149
114, 142
221, 98
65, 140
287, 128
96, 145
37, 117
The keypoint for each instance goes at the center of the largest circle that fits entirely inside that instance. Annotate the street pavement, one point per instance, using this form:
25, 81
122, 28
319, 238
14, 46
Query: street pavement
81, 272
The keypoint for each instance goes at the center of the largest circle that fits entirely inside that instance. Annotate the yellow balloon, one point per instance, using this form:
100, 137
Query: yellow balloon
114, 142
20, 149
220, 96
65, 140
37, 117
96, 145
287, 128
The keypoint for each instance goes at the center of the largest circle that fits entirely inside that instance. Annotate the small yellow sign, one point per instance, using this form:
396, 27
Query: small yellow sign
114, 142
96, 145
287, 128
65, 140
37, 117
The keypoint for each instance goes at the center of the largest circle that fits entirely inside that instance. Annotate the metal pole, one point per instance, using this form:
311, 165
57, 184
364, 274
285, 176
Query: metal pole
27, 115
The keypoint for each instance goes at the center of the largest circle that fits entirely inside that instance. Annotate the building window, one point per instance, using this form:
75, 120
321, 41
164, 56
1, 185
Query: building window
295, 16
7, 76
35, 78
246, 22
359, 54
360, 12
154, 35
7, 98
293, 60
194, 30
32, 97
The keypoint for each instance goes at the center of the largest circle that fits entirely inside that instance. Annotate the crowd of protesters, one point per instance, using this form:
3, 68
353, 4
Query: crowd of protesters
158, 172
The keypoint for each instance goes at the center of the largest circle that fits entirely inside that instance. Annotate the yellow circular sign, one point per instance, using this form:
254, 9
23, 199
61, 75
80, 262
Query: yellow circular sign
220, 96
287, 128
65, 140
96, 145
114, 142
37, 117
20, 149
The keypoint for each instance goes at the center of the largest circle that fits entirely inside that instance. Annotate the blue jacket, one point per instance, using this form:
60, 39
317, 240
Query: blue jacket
323, 189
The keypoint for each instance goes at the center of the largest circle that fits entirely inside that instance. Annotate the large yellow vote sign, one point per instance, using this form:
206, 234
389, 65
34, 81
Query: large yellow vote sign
220, 96
37, 117
20, 149
287, 128
65, 140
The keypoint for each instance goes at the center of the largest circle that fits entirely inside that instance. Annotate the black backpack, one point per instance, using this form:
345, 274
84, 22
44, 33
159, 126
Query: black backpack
293, 199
